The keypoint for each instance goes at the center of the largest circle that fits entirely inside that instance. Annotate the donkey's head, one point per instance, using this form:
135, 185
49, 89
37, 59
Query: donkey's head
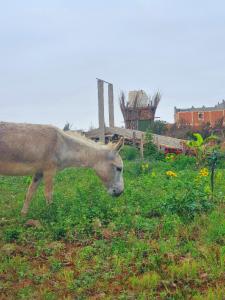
110, 169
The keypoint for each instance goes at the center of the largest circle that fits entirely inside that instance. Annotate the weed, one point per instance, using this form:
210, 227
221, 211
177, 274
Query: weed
11, 234
146, 281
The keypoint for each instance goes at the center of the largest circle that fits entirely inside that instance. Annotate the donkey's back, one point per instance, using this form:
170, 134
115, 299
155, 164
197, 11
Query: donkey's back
26, 148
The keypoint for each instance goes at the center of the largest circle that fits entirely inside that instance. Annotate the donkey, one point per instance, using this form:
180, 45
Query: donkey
42, 150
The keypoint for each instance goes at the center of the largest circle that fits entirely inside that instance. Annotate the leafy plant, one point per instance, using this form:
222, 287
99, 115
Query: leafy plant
150, 149
202, 147
129, 153
11, 234
198, 147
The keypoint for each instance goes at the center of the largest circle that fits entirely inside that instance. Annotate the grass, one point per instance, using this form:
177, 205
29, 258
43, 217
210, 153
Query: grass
164, 238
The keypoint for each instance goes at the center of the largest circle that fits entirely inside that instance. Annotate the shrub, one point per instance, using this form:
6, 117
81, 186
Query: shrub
129, 153
150, 149
59, 233
11, 234
193, 199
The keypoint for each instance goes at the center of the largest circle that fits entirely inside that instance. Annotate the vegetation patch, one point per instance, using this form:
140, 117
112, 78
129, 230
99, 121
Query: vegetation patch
164, 238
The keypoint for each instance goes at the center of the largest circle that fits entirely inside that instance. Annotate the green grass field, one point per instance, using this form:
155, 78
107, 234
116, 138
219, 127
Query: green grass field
164, 238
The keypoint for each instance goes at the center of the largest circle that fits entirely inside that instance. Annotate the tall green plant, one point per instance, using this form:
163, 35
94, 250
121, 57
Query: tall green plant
150, 149
197, 146
201, 147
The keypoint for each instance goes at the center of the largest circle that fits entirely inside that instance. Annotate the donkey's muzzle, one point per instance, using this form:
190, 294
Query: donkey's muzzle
115, 192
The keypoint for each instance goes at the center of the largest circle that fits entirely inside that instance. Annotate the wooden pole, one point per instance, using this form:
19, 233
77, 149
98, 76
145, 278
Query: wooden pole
101, 117
157, 143
142, 146
111, 105
134, 138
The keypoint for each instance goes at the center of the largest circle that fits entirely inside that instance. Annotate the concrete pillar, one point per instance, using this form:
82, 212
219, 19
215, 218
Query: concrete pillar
111, 105
101, 117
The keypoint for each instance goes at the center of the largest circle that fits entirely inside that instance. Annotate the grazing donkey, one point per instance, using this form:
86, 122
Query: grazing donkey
41, 150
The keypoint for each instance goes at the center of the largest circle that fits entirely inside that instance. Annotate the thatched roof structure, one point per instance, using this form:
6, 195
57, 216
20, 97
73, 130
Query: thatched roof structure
139, 110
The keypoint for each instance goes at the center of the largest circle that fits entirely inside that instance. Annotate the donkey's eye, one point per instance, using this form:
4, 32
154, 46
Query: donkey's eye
119, 169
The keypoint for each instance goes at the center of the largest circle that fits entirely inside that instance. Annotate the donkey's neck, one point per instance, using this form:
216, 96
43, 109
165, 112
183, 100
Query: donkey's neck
77, 152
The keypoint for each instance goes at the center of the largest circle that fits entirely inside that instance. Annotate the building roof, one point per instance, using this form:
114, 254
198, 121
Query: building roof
139, 96
219, 106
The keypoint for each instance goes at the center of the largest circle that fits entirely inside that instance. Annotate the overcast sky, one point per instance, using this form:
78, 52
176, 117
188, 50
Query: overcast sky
51, 52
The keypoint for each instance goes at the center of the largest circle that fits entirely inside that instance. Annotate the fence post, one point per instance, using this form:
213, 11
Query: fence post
142, 146
134, 138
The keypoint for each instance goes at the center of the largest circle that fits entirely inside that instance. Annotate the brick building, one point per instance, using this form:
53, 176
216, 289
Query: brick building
202, 115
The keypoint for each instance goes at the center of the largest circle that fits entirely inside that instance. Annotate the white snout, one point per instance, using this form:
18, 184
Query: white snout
116, 189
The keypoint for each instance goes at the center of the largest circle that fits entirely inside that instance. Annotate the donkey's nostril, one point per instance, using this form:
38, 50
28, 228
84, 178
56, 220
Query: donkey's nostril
118, 193
115, 191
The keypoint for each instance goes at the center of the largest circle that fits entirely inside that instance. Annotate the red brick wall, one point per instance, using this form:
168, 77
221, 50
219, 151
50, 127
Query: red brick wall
184, 117
193, 119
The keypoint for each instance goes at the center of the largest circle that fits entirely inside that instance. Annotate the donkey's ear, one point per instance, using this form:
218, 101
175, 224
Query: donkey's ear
119, 145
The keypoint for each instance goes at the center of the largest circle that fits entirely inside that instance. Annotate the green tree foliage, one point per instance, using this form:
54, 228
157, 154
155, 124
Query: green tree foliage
158, 127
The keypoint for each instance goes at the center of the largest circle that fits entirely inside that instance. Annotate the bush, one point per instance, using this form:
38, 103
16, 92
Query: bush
59, 233
193, 200
11, 234
129, 153
150, 149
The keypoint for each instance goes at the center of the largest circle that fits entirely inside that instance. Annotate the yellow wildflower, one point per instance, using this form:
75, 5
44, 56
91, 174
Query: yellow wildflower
171, 174
204, 172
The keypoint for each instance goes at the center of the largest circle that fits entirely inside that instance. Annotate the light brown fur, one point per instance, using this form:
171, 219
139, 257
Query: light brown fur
42, 150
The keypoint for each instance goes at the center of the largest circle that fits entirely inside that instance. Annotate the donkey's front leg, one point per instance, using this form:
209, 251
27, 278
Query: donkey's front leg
48, 181
31, 190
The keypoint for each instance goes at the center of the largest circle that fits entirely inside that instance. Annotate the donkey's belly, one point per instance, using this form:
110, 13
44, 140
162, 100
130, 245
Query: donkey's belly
17, 169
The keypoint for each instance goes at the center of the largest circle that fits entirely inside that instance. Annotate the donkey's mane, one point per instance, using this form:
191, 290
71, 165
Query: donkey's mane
79, 137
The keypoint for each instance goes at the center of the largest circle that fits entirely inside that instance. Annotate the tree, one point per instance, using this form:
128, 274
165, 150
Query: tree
158, 127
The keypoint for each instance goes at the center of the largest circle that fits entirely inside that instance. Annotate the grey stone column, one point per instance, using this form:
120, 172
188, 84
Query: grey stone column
101, 117
111, 105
